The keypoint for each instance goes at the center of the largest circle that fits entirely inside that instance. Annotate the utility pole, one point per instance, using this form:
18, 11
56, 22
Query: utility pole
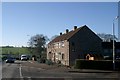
114, 42
113, 47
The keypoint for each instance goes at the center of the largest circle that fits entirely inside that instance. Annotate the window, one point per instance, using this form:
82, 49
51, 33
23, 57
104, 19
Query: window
56, 55
58, 45
59, 56
62, 43
73, 44
62, 56
49, 52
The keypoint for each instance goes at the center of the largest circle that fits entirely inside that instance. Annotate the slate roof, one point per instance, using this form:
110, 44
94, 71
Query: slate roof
66, 36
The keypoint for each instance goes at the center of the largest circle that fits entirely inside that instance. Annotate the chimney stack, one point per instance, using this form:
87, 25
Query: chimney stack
75, 27
67, 30
61, 33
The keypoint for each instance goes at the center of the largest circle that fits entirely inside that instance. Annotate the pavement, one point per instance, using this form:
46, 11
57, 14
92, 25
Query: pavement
46, 67
55, 68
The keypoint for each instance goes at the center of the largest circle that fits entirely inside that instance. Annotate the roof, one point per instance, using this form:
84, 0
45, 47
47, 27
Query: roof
66, 36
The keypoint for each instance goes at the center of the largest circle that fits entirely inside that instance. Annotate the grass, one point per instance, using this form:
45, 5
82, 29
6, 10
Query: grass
15, 50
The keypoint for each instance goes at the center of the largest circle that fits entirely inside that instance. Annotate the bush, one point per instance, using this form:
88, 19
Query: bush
49, 62
42, 60
101, 65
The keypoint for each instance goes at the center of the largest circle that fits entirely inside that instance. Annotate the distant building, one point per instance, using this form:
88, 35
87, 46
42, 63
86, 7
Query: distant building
72, 45
108, 49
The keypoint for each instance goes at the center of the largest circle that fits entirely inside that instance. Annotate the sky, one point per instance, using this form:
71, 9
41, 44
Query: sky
60, 0
21, 20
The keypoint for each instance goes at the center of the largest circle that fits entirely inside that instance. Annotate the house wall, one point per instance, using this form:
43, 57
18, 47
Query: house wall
59, 51
82, 43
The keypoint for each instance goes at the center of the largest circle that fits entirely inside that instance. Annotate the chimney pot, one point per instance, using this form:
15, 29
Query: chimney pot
67, 30
61, 33
75, 27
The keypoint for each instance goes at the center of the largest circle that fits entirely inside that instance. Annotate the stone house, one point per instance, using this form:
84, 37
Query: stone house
72, 45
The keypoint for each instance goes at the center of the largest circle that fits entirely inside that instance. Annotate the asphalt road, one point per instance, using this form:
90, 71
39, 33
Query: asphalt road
26, 70
11, 70
0, 70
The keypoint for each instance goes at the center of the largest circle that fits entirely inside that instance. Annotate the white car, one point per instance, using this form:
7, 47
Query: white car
24, 57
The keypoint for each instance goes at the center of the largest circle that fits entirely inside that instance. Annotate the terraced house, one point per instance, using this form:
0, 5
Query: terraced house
72, 45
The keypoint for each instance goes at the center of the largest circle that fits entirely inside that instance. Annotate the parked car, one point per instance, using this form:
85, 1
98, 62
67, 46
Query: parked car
24, 57
10, 60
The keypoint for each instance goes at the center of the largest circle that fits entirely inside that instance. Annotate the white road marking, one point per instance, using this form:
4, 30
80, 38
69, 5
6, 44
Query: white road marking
20, 69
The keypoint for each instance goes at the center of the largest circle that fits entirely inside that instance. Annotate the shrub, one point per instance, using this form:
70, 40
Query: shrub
49, 62
101, 65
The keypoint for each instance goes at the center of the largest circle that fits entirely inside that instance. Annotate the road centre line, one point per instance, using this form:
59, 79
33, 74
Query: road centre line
20, 70
21, 76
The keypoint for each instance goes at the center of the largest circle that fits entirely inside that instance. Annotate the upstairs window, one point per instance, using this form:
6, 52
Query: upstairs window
62, 44
63, 56
73, 44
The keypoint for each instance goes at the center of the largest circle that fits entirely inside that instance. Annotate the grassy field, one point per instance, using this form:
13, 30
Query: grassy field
15, 50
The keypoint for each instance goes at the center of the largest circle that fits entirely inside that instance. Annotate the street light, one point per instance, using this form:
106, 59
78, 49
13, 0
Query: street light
114, 42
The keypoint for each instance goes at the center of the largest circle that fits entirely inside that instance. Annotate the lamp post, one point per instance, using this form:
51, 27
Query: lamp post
114, 42
113, 47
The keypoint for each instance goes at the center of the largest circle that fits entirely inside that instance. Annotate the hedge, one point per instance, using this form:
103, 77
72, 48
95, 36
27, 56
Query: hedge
100, 65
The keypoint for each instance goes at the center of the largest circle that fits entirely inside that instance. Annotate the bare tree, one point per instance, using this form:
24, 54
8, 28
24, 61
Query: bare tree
37, 44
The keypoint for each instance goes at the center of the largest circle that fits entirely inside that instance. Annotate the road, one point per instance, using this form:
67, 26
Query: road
0, 70
27, 70
11, 70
